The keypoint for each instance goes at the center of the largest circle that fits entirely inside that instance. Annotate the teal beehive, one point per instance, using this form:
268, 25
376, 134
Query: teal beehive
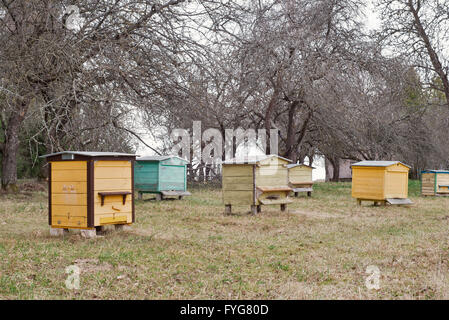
164, 176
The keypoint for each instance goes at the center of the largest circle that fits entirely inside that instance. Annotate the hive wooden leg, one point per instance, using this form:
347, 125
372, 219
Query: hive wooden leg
228, 209
359, 202
259, 208
253, 209
100, 229
283, 207
139, 195
158, 197
309, 193
296, 194
180, 197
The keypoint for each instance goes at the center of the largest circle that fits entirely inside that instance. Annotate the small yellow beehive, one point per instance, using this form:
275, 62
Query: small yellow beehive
300, 178
380, 181
435, 183
90, 189
256, 181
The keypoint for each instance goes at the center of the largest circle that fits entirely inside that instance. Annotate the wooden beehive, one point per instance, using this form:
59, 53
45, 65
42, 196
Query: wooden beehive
90, 189
381, 182
256, 181
164, 176
435, 183
300, 178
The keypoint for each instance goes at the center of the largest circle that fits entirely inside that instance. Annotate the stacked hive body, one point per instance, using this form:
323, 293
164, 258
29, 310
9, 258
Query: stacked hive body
256, 181
435, 183
300, 178
90, 189
380, 181
165, 176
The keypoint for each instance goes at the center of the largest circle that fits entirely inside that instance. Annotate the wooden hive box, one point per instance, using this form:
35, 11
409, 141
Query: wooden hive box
300, 178
90, 189
380, 181
435, 183
165, 176
256, 181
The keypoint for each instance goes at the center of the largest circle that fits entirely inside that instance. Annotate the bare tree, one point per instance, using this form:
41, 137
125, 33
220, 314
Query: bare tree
417, 29
79, 79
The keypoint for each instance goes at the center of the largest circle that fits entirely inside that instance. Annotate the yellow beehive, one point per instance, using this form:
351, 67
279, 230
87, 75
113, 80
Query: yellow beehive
300, 178
380, 181
90, 189
435, 183
256, 181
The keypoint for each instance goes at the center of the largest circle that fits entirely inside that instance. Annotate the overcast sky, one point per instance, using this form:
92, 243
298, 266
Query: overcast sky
373, 20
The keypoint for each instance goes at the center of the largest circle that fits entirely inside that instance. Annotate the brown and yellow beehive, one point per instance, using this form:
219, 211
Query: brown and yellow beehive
90, 189
380, 181
256, 181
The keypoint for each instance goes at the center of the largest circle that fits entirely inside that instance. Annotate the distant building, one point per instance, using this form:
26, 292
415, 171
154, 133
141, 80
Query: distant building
345, 172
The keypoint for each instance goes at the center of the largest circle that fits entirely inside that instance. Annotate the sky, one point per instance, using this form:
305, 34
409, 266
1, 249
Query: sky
373, 20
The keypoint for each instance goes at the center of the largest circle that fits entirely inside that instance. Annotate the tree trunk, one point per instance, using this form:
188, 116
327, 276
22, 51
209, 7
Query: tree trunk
326, 169
336, 165
269, 111
311, 158
201, 173
268, 116
190, 173
291, 128
10, 151
301, 135
208, 176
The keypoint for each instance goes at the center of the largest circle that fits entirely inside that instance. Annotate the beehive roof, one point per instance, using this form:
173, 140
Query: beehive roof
91, 154
253, 159
293, 165
435, 171
367, 163
159, 158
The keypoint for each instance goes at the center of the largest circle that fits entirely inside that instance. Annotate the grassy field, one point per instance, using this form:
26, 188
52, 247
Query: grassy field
190, 250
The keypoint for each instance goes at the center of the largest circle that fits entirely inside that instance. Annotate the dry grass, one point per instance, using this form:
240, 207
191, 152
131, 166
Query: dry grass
190, 250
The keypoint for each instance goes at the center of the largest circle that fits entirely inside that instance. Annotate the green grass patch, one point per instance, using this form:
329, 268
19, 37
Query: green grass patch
189, 249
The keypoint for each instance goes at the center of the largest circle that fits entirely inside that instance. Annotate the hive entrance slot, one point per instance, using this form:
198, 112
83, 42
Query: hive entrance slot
119, 193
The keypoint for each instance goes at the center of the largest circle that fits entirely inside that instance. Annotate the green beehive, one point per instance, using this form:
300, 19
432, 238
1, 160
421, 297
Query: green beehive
164, 176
